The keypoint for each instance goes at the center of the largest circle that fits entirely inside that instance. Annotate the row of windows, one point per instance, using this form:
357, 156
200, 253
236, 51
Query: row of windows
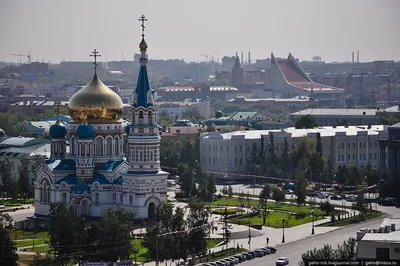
110, 146
145, 153
361, 157
361, 144
278, 147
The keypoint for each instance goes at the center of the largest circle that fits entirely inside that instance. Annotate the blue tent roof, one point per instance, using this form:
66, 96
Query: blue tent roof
80, 186
142, 88
99, 178
61, 165
110, 165
118, 181
69, 179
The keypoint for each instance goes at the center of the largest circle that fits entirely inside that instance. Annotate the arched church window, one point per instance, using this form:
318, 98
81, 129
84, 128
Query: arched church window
114, 197
141, 156
116, 146
109, 146
99, 146
96, 186
41, 194
48, 193
87, 150
55, 148
150, 118
96, 198
130, 199
82, 150
151, 156
72, 143
140, 117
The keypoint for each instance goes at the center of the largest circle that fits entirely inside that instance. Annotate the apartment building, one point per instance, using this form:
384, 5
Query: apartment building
231, 152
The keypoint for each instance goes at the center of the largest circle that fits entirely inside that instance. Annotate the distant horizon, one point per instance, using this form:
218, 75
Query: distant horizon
195, 30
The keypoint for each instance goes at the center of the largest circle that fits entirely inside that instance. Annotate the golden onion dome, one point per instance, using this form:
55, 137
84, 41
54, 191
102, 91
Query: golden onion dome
97, 101
143, 45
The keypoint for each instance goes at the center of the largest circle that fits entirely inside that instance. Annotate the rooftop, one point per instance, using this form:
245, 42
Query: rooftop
389, 231
335, 112
296, 133
243, 115
22, 142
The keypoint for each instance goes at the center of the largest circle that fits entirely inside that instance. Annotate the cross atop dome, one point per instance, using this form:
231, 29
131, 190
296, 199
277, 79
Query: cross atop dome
143, 19
143, 44
95, 54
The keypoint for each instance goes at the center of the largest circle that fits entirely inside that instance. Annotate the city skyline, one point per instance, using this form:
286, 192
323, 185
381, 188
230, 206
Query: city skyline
56, 31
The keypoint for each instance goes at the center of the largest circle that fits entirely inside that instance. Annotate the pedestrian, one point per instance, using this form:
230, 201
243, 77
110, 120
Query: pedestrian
267, 240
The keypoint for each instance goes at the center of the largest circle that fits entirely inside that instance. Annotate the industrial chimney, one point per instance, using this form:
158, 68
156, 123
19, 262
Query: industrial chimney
352, 57
242, 58
358, 56
249, 58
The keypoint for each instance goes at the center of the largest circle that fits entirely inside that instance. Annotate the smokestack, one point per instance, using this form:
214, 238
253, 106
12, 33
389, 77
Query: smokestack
358, 56
249, 58
242, 58
352, 57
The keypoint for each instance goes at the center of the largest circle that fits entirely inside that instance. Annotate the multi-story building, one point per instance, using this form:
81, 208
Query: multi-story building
231, 152
390, 152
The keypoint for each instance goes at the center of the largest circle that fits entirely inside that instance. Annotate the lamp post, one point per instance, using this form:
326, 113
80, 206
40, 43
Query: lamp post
264, 201
33, 241
248, 210
268, 217
254, 179
312, 213
283, 218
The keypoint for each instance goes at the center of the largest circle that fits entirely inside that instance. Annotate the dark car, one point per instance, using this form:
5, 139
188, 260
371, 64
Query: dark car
336, 197
248, 256
273, 250
389, 201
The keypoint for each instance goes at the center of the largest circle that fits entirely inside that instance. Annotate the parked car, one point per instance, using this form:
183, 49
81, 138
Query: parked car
289, 191
252, 253
389, 201
230, 182
266, 251
212, 263
259, 253
336, 197
225, 262
240, 257
248, 256
282, 261
351, 199
220, 263
273, 250
234, 260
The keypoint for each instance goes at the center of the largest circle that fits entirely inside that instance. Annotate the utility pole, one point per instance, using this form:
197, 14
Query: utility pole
283, 228
248, 210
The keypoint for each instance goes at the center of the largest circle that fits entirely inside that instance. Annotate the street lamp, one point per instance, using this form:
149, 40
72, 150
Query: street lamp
312, 213
283, 218
254, 179
248, 211
33, 241
268, 217
264, 201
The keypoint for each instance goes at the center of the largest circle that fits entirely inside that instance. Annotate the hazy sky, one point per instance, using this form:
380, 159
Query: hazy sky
186, 29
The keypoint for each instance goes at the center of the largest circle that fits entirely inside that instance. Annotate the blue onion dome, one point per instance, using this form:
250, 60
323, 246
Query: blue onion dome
85, 131
58, 130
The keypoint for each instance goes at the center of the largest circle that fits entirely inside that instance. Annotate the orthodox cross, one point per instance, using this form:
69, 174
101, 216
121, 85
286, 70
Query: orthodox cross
57, 104
95, 54
143, 19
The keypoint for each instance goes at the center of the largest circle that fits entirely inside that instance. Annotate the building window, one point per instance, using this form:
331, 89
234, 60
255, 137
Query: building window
114, 197
240, 148
116, 146
364, 157
227, 148
99, 146
222, 148
370, 156
64, 197
109, 146
348, 145
370, 144
96, 198
360, 144
216, 161
374, 156
375, 144
338, 158
235, 161
121, 198
209, 147
382, 254
209, 160
248, 148
354, 144
130, 199
342, 145
354, 157
235, 148
348, 157
240, 161
365, 144
342, 158
360, 156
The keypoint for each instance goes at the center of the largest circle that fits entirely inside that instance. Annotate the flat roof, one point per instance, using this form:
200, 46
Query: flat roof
297, 133
335, 112
393, 236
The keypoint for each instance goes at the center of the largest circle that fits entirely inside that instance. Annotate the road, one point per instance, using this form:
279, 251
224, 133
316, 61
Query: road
22, 214
294, 250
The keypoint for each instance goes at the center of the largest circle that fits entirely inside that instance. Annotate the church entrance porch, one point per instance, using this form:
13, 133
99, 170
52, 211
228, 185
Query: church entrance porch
151, 210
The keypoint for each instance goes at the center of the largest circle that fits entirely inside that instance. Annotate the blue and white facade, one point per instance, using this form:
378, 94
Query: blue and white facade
96, 175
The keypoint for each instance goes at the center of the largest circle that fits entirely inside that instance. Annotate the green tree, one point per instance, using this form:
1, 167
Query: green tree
198, 216
278, 195
286, 160
8, 251
361, 204
265, 192
345, 252
300, 188
24, 183
187, 181
6, 174
327, 207
116, 234
165, 119
64, 231
306, 121
272, 159
187, 154
230, 191
211, 189
193, 115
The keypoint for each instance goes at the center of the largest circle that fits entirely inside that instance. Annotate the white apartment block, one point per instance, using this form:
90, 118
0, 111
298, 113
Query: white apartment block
231, 152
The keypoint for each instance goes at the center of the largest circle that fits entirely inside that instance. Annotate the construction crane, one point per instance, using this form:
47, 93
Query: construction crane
212, 58
206, 56
23, 55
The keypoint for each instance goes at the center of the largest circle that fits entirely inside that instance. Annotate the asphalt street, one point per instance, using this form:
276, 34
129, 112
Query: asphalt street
22, 214
294, 250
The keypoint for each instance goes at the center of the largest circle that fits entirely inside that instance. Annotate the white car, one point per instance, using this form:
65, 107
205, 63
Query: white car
282, 261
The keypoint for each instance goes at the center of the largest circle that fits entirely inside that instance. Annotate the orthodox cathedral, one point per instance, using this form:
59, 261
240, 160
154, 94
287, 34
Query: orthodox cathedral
96, 174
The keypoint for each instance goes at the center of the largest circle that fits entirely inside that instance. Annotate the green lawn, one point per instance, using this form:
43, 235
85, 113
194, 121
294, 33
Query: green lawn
16, 202
213, 242
275, 220
353, 220
41, 249
270, 205
28, 234
29, 242
142, 254
222, 211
